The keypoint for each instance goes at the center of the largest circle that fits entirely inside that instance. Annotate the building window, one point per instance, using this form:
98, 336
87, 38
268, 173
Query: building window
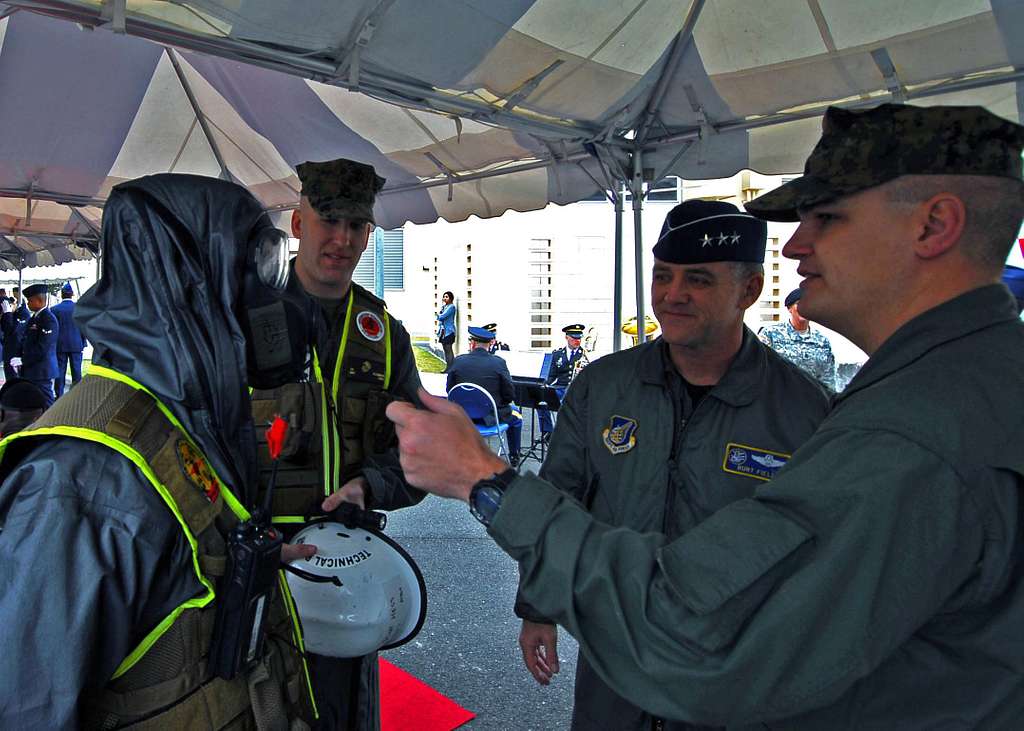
392, 260
540, 289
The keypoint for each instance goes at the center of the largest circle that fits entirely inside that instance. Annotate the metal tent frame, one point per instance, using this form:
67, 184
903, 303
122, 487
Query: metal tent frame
631, 147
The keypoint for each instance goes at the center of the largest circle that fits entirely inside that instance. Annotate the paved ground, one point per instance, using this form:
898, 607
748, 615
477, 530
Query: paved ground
468, 647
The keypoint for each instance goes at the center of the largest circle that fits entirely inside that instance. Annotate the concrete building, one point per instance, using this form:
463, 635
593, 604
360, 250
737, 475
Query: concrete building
535, 272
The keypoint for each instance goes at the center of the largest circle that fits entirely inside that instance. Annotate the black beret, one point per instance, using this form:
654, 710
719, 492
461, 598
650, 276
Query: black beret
697, 231
793, 297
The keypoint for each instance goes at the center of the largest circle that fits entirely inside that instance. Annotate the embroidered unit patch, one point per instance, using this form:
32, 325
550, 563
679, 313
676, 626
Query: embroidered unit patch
370, 326
197, 471
762, 464
620, 436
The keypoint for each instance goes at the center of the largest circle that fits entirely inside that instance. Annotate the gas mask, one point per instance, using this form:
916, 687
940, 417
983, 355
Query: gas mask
276, 321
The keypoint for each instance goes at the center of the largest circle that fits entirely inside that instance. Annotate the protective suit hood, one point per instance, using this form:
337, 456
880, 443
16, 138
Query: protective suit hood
165, 310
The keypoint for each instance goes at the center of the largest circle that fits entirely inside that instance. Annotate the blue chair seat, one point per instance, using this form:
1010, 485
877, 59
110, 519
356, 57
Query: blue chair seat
491, 431
480, 407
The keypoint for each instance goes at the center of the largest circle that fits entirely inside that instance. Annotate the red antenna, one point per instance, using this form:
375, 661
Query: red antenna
275, 441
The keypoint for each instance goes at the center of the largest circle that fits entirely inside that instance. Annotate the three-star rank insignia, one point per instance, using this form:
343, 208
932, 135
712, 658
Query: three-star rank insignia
620, 436
193, 464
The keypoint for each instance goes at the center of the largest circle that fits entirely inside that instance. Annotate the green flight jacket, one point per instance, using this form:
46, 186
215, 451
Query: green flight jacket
679, 462
874, 583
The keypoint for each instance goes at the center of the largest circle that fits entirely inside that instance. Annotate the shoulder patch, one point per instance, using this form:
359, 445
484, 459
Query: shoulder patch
197, 471
761, 464
620, 436
370, 326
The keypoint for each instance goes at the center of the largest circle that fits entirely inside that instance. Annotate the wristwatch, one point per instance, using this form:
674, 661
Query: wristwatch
485, 497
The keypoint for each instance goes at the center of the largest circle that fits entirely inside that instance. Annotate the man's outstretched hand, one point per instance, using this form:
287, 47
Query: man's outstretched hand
439, 448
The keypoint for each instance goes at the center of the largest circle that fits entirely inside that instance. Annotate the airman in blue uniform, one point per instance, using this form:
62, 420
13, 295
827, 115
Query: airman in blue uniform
563, 366
70, 342
496, 345
39, 346
490, 372
12, 327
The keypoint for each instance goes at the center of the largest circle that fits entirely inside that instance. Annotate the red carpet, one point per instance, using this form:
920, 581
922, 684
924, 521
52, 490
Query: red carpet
408, 704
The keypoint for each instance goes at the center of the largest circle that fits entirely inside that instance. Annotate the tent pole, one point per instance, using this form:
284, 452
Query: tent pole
679, 46
225, 174
637, 188
617, 288
21, 268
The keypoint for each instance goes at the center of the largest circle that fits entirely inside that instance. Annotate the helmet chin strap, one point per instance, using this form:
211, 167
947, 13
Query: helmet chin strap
315, 578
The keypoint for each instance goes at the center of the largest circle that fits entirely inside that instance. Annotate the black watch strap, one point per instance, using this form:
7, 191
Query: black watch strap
486, 496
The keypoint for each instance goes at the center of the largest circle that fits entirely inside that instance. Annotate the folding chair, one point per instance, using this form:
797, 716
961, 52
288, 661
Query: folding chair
480, 407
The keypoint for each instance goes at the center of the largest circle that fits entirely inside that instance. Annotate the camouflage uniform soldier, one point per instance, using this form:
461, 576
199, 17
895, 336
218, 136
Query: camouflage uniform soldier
340, 447
805, 348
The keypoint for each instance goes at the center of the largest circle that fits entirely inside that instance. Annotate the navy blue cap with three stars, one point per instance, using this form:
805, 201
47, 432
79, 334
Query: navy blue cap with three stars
480, 334
697, 232
575, 330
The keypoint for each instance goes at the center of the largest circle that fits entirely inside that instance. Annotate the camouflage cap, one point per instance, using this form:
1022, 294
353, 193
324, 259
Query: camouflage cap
340, 188
861, 149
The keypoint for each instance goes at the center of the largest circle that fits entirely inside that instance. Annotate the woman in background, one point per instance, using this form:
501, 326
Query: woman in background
446, 327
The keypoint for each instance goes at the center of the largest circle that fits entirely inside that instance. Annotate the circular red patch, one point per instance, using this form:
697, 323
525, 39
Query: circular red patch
370, 326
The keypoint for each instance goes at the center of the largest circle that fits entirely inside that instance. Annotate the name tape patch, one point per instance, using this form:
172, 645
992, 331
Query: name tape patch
761, 464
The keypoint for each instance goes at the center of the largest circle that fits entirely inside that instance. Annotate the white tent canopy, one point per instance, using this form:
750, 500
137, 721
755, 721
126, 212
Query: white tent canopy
465, 106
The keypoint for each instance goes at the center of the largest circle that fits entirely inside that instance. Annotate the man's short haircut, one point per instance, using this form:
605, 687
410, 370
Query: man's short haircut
995, 209
743, 270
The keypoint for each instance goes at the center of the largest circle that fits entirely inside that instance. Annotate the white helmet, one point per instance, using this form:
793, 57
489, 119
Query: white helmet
360, 593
